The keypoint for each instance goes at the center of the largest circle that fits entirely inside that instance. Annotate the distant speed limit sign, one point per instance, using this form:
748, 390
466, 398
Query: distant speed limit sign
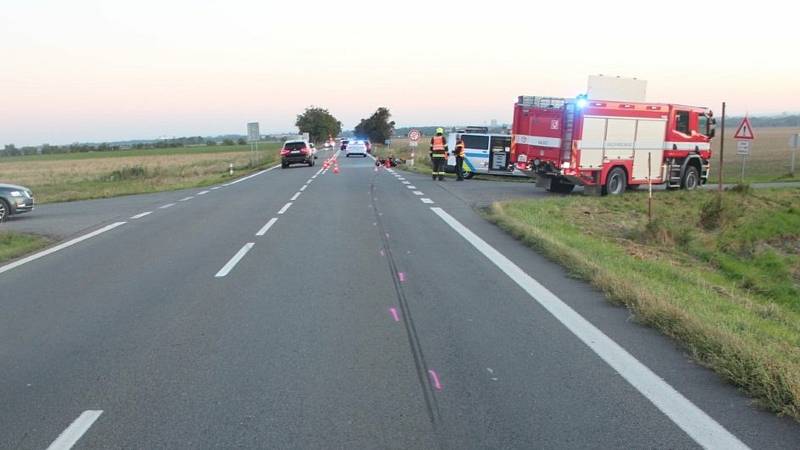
414, 135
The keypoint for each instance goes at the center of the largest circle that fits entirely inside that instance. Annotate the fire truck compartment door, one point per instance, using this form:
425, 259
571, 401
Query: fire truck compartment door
620, 136
649, 141
594, 136
499, 153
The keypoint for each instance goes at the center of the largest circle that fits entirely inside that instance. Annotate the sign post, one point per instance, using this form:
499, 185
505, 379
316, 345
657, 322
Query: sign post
413, 142
794, 143
744, 137
253, 136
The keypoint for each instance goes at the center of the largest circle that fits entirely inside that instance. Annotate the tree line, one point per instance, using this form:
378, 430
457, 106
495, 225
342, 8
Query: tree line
319, 123
47, 149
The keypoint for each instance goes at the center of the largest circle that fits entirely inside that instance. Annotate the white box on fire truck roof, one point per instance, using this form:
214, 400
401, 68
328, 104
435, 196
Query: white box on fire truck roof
600, 87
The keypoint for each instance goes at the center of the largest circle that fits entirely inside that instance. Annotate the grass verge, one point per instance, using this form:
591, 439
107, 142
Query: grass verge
724, 282
13, 245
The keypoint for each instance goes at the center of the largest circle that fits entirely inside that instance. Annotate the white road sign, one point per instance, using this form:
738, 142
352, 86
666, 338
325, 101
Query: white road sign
414, 135
743, 148
794, 141
253, 134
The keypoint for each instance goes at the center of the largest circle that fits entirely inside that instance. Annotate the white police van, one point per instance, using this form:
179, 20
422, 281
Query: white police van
486, 153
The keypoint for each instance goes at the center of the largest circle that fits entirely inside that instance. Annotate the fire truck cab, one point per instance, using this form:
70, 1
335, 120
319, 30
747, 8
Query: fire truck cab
608, 146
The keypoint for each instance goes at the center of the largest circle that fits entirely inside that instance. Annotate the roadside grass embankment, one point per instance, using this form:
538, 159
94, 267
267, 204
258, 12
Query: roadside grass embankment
724, 282
80, 176
14, 245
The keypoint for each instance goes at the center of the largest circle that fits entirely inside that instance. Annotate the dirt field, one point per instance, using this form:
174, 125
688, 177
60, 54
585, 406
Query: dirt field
83, 176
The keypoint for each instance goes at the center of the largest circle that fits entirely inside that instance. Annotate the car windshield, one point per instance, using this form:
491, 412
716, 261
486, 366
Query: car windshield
556, 249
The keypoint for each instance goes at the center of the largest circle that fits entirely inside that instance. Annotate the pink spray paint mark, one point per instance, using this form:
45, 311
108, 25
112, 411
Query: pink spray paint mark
394, 314
435, 379
402, 276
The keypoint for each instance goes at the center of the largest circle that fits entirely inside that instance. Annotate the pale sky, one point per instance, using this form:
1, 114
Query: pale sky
92, 70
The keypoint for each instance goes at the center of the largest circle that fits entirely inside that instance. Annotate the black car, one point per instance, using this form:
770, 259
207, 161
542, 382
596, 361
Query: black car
297, 152
14, 200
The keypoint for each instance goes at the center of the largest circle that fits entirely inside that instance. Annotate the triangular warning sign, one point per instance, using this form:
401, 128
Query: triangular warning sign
745, 131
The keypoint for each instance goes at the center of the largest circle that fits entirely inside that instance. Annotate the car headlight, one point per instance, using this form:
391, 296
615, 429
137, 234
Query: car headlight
16, 194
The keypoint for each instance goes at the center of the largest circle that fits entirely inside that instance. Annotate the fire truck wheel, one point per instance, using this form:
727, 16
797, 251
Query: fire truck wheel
616, 181
691, 179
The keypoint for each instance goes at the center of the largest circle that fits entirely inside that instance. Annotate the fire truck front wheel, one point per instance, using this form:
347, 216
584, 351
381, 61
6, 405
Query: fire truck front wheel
691, 179
616, 181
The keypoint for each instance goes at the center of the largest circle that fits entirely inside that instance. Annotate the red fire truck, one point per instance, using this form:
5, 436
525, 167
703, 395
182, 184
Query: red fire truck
606, 145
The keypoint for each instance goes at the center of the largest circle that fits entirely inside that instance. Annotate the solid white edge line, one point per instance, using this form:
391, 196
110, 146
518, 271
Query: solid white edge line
168, 205
303, 188
202, 193
266, 227
186, 199
226, 269
701, 427
139, 216
215, 188
69, 437
58, 247
427, 200
294, 197
285, 207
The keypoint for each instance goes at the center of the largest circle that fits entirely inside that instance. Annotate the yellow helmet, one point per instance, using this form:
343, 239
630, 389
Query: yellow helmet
440, 131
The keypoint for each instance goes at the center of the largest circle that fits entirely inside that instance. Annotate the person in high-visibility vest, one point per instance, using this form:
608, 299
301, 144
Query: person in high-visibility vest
438, 154
459, 153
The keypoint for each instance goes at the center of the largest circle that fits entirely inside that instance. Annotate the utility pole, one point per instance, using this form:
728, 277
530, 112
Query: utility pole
721, 153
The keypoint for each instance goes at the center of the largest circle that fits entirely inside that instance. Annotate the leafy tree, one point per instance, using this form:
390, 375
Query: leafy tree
318, 123
241, 141
377, 127
227, 142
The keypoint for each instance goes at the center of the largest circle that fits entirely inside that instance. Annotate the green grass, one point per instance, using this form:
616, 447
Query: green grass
13, 245
724, 283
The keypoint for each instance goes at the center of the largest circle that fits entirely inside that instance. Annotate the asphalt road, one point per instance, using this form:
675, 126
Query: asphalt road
378, 310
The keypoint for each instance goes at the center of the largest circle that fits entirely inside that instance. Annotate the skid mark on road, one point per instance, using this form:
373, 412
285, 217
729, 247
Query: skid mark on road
421, 367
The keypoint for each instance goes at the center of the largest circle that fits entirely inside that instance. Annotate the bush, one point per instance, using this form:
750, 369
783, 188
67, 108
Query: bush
128, 173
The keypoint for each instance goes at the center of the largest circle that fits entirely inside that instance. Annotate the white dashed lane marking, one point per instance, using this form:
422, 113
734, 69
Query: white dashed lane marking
285, 207
69, 437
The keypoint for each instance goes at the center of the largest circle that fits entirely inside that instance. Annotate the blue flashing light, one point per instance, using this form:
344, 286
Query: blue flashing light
581, 101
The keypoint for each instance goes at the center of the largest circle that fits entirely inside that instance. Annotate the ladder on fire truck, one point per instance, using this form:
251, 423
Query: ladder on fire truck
566, 141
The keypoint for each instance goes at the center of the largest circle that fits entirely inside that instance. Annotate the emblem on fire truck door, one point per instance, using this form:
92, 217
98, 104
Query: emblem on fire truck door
553, 124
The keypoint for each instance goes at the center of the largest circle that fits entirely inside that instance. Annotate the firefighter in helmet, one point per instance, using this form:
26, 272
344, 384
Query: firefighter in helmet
459, 153
438, 154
